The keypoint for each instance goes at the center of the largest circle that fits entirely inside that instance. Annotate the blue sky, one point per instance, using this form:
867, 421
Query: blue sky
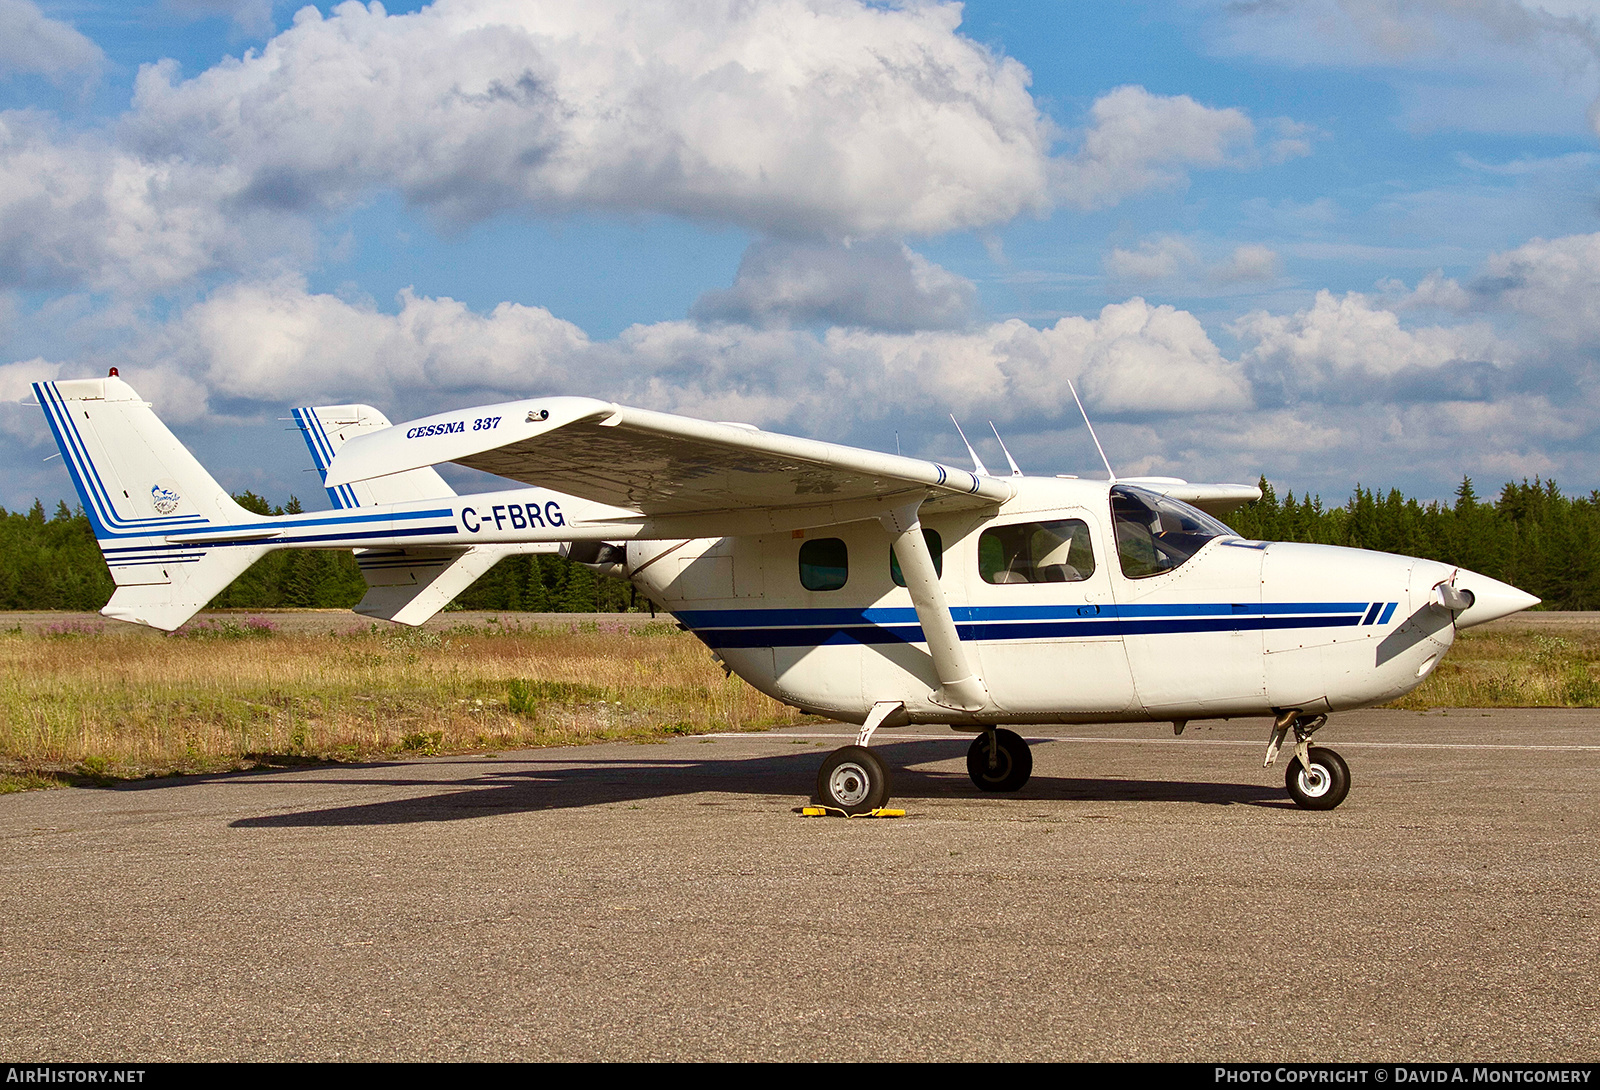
1333, 242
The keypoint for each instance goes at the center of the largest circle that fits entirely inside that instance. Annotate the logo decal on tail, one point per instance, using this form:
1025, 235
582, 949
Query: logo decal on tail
165, 496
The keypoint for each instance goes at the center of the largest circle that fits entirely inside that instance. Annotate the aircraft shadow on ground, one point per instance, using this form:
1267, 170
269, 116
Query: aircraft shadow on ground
560, 783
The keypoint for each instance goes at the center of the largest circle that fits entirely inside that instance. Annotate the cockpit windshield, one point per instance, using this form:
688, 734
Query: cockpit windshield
1155, 534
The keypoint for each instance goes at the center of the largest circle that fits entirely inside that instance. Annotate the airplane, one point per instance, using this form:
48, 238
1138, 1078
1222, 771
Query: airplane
869, 588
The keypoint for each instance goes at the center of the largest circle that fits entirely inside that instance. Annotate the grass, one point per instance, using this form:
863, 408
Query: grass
96, 704
1514, 668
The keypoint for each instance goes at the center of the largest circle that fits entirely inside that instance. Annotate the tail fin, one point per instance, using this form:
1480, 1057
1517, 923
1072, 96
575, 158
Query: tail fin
171, 535
326, 428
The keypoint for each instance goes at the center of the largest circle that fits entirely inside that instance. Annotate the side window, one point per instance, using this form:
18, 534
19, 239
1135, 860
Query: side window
824, 564
935, 546
1036, 552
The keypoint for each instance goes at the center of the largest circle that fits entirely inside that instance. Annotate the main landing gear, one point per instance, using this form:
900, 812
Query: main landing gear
999, 760
1317, 777
852, 779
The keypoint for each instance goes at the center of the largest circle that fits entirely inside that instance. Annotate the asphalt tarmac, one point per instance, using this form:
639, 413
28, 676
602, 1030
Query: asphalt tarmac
1144, 897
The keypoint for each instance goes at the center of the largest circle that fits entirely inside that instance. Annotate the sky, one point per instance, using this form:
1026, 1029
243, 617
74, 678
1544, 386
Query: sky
1332, 242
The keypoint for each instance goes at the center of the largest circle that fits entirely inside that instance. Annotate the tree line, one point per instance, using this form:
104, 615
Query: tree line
1533, 536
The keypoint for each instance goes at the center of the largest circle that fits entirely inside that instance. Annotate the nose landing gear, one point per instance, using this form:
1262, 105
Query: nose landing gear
1317, 778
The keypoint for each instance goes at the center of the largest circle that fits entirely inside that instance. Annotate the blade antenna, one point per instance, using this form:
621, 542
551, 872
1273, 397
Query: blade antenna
977, 463
1109, 471
1012, 462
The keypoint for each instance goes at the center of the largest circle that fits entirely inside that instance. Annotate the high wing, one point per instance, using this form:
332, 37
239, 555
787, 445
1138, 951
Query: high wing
659, 465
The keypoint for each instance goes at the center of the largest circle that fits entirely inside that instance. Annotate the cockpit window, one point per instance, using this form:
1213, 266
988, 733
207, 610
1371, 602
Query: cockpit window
1156, 534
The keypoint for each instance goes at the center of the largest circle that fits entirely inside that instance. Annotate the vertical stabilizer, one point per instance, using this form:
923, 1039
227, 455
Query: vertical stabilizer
171, 535
326, 428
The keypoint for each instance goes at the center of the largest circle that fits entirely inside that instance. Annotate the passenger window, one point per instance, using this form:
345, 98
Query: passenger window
1036, 552
935, 546
824, 564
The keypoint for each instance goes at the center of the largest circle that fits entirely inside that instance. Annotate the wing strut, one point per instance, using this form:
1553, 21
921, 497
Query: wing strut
960, 686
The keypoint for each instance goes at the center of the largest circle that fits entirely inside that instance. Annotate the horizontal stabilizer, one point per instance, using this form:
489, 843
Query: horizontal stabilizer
188, 587
410, 585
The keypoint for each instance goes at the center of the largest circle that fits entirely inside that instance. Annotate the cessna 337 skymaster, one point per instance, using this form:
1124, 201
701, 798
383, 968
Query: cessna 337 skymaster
868, 587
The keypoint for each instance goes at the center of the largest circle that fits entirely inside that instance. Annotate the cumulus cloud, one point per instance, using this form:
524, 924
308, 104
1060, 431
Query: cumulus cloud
270, 343
1553, 284
30, 42
1138, 141
1344, 349
77, 210
796, 118
876, 283
820, 116
1555, 281
1340, 383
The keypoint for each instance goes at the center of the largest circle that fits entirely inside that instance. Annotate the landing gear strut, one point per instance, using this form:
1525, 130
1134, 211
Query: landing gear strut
999, 760
1317, 777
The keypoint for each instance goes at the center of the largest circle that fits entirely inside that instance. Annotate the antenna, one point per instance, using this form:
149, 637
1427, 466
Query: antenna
1012, 462
1109, 471
977, 463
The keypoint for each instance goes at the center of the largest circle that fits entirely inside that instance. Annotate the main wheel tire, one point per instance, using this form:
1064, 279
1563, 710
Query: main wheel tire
1012, 766
852, 779
1325, 786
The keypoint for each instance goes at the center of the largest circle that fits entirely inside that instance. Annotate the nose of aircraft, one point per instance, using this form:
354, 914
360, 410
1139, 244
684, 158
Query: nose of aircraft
1491, 599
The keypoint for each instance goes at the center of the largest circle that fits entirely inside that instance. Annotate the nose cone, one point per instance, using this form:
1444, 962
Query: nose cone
1491, 599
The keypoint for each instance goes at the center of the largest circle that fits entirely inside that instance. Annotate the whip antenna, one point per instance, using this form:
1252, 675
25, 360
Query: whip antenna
1010, 461
977, 463
1109, 471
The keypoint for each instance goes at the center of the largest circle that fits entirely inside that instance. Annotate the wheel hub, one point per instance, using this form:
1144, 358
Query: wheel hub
850, 784
1315, 782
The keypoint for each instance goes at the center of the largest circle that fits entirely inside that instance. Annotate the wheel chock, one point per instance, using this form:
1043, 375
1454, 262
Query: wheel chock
834, 811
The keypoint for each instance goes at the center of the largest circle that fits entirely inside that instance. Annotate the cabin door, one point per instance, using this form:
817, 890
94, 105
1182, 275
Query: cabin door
1042, 615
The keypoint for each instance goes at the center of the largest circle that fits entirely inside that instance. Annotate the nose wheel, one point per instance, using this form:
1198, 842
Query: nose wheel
1319, 784
999, 760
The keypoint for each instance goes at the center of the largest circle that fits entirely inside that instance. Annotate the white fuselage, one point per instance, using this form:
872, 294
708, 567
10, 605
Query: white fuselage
1241, 628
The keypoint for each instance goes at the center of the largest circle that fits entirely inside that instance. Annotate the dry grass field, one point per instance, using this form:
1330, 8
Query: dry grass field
1509, 665
97, 702
90, 701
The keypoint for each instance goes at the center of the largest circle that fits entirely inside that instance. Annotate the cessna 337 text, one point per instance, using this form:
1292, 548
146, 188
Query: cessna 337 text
867, 587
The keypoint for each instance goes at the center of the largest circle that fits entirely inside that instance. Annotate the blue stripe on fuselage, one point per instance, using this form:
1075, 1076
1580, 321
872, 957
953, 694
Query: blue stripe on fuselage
736, 628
